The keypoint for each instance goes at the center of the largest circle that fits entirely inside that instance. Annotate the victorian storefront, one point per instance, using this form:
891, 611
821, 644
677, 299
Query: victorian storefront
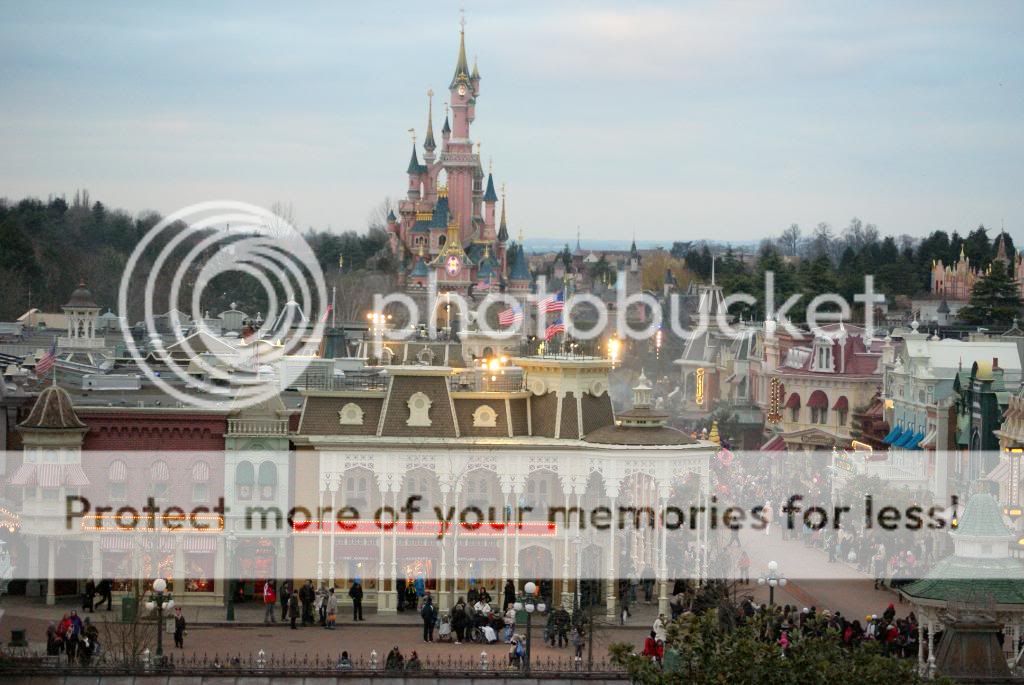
497, 458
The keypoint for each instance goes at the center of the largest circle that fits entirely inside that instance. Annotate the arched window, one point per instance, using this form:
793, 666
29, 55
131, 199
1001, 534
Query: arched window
793, 405
485, 417
117, 476
268, 480
245, 478
159, 476
200, 481
818, 404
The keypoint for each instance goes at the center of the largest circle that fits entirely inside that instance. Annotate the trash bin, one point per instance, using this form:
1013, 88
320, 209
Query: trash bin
129, 608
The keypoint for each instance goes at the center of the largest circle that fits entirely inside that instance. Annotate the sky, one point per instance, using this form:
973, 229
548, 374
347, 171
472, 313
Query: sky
670, 121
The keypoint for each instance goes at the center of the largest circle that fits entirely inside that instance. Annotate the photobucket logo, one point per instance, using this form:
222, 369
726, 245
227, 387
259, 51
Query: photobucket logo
633, 316
193, 247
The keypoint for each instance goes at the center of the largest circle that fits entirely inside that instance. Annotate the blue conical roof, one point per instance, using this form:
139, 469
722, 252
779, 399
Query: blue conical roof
489, 194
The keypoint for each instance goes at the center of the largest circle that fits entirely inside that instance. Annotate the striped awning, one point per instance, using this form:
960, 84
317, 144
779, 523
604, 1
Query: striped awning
842, 404
118, 472
775, 444
818, 400
49, 475
24, 475
201, 544
200, 472
793, 402
133, 542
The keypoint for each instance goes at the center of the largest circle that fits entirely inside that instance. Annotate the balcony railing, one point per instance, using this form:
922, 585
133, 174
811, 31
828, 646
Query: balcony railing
260, 427
482, 382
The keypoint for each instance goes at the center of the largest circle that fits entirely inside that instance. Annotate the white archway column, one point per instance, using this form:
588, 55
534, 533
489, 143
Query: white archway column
613, 561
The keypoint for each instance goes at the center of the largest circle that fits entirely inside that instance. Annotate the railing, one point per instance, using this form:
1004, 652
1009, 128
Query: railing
361, 383
491, 661
472, 382
257, 427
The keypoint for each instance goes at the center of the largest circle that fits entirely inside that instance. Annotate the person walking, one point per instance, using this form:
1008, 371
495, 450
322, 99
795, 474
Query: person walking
658, 629
89, 596
332, 609
293, 608
105, 590
510, 595
307, 595
321, 604
269, 603
179, 628
283, 596
429, 615
356, 593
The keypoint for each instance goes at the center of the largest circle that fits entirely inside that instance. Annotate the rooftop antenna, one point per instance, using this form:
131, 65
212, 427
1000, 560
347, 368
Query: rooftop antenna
412, 132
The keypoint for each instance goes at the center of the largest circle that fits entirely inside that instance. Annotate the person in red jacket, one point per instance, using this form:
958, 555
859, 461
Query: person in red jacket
651, 650
269, 602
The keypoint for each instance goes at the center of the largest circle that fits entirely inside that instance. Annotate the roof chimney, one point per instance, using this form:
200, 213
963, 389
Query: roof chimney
995, 363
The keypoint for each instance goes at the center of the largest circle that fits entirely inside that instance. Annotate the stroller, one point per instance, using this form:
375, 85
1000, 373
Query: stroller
444, 629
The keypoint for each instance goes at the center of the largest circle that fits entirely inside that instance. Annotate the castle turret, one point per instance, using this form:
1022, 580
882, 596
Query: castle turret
415, 171
490, 197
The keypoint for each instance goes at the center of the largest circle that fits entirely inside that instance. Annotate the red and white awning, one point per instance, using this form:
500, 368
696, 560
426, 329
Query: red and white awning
49, 475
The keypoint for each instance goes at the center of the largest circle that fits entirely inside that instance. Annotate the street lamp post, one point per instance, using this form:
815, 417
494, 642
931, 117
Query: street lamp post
160, 601
529, 603
231, 588
772, 579
577, 544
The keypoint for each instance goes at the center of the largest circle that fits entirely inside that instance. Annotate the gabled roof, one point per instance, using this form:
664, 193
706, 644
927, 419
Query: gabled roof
982, 518
441, 213
53, 410
520, 269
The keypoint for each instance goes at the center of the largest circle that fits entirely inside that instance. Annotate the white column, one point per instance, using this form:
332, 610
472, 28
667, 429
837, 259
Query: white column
516, 489
320, 533
442, 576
566, 598
51, 596
662, 567
931, 646
331, 574
613, 563
97, 560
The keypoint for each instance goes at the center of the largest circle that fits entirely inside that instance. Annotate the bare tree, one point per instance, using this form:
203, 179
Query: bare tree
378, 216
124, 642
790, 240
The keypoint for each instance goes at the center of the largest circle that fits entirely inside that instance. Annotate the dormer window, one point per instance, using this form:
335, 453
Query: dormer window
822, 360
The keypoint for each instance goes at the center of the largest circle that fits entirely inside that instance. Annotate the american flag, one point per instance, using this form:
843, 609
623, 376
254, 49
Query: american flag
552, 303
558, 326
510, 316
47, 361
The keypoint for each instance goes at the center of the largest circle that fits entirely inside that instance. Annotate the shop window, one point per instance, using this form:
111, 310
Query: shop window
200, 492
841, 416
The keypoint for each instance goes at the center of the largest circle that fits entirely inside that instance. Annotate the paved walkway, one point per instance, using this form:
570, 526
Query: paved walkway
811, 579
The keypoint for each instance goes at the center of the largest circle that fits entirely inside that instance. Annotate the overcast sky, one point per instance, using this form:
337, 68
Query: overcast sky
678, 121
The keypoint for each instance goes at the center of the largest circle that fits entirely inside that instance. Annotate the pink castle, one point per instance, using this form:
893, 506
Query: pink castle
446, 224
955, 282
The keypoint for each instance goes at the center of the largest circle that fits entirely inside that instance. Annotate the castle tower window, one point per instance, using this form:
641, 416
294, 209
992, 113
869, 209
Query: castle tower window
419, 410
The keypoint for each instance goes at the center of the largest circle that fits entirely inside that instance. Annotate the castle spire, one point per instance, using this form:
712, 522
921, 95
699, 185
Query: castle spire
476, 72
503, 226
461, 65
428, 143
414, 162
489, 194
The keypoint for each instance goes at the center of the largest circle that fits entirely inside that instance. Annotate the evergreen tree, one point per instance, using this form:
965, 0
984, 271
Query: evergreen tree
995, 299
